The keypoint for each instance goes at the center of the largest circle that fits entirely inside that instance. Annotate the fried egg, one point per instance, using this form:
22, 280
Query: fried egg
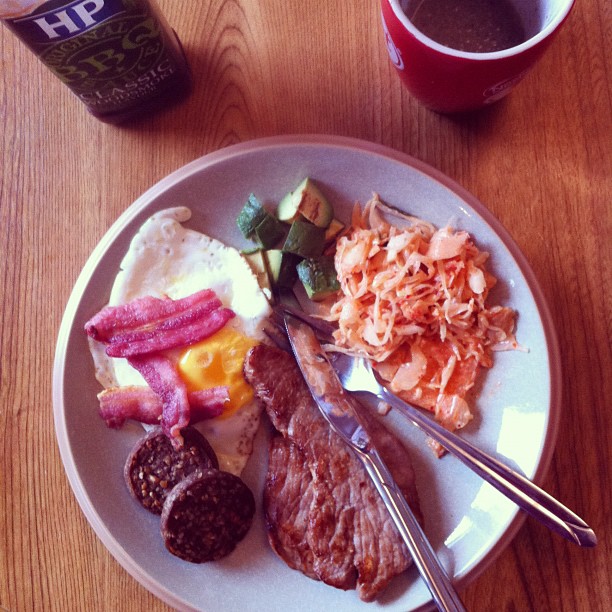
167, 259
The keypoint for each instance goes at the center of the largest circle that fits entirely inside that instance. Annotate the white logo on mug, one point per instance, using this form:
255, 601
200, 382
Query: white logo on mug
394, 53
498, 91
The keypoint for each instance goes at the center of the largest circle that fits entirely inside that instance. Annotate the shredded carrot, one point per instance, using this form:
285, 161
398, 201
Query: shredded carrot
412, 300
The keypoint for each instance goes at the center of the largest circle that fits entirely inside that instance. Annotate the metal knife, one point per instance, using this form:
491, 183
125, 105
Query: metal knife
356, 375
336, 406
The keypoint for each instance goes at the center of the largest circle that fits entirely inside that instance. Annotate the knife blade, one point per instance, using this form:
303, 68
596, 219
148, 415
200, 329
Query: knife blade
336, 406
527, 495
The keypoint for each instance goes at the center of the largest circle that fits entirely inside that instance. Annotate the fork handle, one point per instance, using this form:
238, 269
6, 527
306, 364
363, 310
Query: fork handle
513, 485
425, 559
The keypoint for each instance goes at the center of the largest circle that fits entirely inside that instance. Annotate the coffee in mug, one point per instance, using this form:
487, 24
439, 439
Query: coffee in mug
479, 26
459, 55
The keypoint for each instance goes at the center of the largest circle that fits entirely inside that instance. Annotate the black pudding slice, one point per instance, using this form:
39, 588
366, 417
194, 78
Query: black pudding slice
206, 515
155, 467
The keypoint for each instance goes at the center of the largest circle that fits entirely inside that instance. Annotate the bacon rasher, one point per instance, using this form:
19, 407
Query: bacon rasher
142, 404
140, 331
163, 378
160, 339
147, 311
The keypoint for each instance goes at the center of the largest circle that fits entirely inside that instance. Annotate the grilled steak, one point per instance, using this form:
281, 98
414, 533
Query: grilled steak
288, 494
317, 492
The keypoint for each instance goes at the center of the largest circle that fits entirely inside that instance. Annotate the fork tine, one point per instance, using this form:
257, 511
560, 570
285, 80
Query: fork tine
287, 302
276, 332
324, 330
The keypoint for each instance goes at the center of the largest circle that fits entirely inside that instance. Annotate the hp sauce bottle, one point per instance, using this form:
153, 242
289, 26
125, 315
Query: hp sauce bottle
119, 57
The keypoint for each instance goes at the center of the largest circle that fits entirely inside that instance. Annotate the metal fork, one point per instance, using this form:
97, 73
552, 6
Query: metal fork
356, 375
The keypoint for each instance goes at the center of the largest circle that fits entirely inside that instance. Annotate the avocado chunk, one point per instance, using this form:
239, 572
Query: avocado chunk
282, 267
286, 210
251, 215
333, 229
259, 265
307, 201
318, 275
269, 231
305, 239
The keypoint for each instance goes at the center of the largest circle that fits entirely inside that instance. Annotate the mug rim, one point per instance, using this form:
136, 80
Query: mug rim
558, 19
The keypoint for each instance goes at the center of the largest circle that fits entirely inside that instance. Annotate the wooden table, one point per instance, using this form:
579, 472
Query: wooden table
540, 161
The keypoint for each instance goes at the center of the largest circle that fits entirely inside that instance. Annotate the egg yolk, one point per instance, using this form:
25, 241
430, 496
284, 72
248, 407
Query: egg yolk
217, 361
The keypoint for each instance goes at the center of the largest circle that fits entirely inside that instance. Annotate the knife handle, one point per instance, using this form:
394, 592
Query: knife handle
513, 485
425, 559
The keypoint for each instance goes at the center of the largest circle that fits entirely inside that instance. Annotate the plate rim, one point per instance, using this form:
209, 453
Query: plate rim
256, 145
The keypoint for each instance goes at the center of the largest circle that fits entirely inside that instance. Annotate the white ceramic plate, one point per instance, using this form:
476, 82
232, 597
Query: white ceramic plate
467, 521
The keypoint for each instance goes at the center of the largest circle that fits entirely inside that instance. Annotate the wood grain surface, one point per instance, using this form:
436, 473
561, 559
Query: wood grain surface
540, 160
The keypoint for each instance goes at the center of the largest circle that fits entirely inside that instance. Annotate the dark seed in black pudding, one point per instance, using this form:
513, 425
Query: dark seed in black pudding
155, 467
206, 515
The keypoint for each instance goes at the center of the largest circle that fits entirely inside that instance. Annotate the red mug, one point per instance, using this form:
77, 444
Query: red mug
447, 80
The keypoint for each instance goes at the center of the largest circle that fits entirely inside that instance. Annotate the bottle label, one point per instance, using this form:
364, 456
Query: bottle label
111, 53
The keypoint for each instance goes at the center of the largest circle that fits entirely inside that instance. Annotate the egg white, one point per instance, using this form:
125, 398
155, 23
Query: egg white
167, 259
